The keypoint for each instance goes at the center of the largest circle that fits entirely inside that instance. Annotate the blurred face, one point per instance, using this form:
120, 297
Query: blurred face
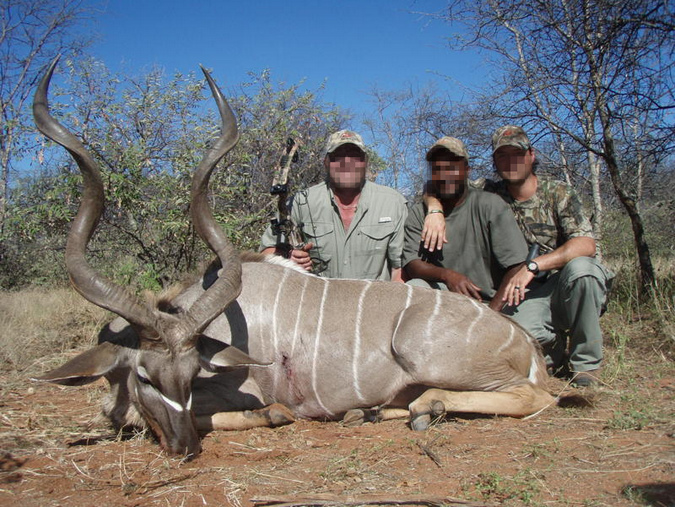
449, 174
513, 164
346, 167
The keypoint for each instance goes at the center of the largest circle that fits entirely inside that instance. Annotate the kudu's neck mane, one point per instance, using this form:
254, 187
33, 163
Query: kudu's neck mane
163, 301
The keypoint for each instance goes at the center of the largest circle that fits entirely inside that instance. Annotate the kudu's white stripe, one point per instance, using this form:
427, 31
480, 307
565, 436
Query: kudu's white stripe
173, 404
508, 342
534, 370
407, 305
481, 310
275, 327
408, 298
261, 321
317, 344
277, 299
298, 314
430, 332
400, 318
356, 356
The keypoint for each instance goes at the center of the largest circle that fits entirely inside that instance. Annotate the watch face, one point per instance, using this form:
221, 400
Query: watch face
532, 266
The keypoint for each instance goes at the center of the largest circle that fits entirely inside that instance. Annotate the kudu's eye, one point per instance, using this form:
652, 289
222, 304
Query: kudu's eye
142, 376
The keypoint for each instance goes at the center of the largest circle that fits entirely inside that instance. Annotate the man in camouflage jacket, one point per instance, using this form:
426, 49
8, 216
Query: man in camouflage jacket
561, 292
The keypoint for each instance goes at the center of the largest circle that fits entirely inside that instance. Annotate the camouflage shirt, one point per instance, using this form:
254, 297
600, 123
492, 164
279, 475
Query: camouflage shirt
553, 215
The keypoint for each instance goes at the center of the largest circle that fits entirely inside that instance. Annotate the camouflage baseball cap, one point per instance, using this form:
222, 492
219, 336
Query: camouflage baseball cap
452, 144
510, 135
343, 137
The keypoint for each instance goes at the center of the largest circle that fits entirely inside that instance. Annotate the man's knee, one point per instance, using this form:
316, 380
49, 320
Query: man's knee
584, 284
585, 274
580, 267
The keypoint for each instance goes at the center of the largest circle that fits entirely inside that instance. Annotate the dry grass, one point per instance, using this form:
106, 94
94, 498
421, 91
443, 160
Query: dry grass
656, 313
38, 324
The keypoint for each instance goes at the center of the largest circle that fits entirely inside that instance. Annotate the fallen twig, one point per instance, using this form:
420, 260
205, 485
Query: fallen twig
327, 499
426, 449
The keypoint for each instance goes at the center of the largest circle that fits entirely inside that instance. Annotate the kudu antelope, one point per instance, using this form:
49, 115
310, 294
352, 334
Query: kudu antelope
254, 337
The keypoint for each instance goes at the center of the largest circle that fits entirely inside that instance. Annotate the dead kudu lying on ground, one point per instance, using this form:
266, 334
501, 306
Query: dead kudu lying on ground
250, 339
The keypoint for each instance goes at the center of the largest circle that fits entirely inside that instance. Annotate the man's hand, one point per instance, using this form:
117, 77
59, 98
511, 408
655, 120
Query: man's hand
514, 291
457, 282
301, 256
433, 232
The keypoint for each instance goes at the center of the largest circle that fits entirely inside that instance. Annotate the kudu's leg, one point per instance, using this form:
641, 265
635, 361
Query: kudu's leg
271, 416
358, 416
518, 402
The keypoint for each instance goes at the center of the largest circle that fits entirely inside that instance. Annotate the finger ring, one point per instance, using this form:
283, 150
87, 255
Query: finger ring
517, 287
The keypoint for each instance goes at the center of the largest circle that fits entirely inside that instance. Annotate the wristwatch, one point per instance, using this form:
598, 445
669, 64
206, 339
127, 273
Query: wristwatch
533, 267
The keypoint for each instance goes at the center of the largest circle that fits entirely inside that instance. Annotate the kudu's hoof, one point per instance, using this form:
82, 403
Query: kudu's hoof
358, 416
437, 408
279, 415
420, 422
354, 417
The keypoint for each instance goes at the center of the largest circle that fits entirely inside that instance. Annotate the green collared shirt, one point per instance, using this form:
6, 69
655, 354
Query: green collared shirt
372, 246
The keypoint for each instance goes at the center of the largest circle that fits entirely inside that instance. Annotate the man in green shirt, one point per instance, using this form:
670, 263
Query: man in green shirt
352, 227
486, 242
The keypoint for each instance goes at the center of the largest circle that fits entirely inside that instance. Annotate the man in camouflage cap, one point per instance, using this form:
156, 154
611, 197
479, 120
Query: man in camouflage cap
353, 227
562, 290
343, 137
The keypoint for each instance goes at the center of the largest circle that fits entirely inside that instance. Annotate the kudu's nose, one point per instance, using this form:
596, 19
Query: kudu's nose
178, 435
188, 448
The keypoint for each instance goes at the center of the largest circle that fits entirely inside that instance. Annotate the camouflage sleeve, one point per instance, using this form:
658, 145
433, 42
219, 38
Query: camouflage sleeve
572, 220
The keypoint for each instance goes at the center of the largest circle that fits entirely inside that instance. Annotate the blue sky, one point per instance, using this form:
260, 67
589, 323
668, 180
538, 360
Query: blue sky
351, 44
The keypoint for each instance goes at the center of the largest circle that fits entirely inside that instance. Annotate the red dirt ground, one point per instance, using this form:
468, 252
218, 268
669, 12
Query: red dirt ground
54, 450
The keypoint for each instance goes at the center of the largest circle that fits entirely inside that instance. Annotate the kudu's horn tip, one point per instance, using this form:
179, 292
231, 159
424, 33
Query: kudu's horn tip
52, 66
205, 71
214, 87
47, 76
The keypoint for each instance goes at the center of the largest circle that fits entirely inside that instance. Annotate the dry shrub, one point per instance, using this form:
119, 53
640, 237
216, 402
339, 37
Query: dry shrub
40, 323
656, 313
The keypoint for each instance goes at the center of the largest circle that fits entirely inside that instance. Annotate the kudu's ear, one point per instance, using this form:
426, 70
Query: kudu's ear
214, 354
86, 367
